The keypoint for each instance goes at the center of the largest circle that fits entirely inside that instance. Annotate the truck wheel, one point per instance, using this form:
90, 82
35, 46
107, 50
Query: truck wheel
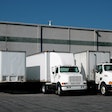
103, 89
59, 91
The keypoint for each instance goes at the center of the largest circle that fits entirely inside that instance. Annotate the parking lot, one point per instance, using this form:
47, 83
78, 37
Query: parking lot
52, 103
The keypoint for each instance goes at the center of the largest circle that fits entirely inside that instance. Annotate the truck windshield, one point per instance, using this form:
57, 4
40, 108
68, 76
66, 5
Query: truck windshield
108, 67
69, 69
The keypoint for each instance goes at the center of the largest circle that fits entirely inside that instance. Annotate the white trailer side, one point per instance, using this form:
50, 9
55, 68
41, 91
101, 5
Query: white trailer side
12, 66
36, 68
87, 61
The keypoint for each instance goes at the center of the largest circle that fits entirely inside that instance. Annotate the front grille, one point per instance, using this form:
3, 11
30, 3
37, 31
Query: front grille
75, 79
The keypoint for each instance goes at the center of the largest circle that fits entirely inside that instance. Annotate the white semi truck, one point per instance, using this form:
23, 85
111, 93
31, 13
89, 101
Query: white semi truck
12, 66
97, 70
55, 71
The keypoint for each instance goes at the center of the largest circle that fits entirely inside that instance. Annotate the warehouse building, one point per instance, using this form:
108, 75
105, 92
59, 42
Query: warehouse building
34, 38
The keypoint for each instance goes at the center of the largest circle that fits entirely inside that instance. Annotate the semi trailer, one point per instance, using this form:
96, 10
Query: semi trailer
97, 70
12, 66
55, 71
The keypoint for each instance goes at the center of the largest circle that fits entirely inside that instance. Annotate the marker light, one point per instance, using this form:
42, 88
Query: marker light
110, 83
63, 83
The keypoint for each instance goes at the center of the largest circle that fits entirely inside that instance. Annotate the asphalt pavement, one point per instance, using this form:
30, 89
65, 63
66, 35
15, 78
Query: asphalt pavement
52, 103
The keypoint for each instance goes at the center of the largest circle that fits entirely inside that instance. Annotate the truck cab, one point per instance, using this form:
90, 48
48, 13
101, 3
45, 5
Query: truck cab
67, 78
55, 72
103, 77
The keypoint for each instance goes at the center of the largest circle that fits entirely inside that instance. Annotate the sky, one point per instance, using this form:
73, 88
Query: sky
74, 13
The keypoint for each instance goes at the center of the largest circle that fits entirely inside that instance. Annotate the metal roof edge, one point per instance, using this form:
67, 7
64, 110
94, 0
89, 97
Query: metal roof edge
54, 26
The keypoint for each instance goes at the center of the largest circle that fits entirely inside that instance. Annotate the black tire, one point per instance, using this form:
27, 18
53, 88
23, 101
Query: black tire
59, 90
103, 89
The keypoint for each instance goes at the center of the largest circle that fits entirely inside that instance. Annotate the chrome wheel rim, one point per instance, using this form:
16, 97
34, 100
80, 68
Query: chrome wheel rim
103, 90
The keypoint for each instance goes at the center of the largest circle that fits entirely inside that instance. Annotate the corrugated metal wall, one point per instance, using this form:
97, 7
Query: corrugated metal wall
37, 38
19, 38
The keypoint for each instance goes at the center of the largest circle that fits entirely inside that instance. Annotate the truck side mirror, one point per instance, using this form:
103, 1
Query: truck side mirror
100, 71
96, 70
53, 70
56, 70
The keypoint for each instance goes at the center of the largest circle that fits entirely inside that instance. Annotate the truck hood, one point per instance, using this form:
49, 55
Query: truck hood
107, 77
109, 73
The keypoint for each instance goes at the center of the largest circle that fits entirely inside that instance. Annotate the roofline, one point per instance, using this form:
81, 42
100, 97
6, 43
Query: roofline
92, 51
54, 26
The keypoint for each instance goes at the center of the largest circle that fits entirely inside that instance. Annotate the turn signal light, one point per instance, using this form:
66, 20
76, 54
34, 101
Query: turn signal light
110, 82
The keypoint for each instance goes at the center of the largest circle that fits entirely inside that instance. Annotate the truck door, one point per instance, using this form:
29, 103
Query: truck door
54, 74
98, 73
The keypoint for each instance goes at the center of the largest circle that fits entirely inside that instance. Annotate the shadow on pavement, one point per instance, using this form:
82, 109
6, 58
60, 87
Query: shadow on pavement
20, 88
